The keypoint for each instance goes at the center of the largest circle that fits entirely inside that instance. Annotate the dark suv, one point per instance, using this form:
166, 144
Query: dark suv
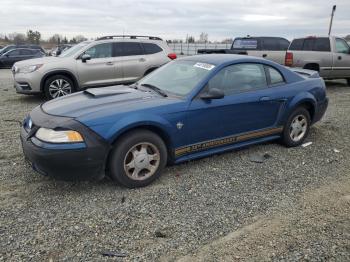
10, 47
10, 57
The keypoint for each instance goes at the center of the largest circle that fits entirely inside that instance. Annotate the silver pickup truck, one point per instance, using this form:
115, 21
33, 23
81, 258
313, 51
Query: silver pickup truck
270, 48
330, 56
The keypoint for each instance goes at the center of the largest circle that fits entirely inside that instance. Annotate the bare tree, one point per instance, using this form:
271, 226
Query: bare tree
56, 38
190, 39
17, 38
203, 38
227, 41
80, 38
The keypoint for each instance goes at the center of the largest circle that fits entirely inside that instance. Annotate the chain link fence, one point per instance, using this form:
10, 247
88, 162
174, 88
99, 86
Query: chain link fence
191, 48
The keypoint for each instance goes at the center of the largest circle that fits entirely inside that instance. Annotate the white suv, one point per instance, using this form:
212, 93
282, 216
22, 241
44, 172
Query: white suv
106, 61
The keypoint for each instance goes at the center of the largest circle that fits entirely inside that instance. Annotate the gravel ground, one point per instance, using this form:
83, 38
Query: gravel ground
293, 206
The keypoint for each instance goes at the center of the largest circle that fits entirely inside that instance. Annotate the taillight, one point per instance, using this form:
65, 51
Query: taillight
172, 56
289, 59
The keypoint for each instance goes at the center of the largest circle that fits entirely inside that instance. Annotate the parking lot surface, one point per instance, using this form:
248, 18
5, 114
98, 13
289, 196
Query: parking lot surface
295, 205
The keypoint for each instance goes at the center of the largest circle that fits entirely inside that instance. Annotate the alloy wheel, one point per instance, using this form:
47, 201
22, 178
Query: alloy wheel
141, 161
59, 87
298, 128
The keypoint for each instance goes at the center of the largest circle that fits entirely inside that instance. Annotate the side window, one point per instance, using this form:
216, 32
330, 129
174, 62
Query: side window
239, 78
297, 44
341, 46
308, 44
118, 49
270, 44
275, 76
283, 44
151, 48
26, 52
322, 44
13, 53
132, 48
100, 51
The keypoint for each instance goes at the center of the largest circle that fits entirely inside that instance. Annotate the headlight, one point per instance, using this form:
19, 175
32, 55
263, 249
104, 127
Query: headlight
62, 136
29, 69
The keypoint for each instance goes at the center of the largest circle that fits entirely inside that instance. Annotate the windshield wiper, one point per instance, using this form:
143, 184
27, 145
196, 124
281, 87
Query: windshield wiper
157, 89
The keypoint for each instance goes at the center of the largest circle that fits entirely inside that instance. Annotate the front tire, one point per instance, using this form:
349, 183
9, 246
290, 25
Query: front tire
57, 86
297, 127
137, 159
348, 80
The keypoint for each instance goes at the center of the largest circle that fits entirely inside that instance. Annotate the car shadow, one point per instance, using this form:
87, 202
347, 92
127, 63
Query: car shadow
335, 84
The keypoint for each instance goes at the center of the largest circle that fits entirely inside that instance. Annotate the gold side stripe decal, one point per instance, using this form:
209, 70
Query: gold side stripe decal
227, 140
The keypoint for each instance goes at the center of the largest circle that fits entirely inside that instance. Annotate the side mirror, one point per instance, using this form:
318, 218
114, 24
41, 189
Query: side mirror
213, 93
85, 57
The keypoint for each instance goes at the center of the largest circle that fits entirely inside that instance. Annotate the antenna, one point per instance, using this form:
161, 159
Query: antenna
331, 22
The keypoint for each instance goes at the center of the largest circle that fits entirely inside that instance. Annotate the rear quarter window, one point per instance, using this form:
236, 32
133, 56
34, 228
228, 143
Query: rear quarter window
270, 44
275, 76
151, 48
322, 44
284, 44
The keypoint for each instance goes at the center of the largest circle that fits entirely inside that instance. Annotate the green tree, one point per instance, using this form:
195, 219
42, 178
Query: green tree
17, 38
33, 37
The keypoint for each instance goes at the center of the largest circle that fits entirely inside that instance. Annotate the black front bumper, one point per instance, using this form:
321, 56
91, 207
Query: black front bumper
86, 163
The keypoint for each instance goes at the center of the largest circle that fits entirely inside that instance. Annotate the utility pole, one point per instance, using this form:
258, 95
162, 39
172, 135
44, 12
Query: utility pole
331, 22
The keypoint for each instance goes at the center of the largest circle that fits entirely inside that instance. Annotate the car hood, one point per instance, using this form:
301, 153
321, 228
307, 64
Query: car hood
40, 60
97, 103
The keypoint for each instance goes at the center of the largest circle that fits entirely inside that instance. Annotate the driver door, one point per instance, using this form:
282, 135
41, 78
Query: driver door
11, 57
248, 105
102, 68
341, 58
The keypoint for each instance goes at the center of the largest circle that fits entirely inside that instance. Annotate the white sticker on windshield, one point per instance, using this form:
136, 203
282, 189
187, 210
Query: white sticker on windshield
204, 66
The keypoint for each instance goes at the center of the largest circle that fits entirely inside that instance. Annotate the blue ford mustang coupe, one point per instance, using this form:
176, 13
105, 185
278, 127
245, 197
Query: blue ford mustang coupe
190, 108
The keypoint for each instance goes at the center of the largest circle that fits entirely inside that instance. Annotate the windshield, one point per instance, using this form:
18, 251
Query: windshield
6, 48
74, 49
245, 44
178, 77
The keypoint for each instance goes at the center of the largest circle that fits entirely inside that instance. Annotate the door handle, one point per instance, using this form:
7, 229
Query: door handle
339, 57
109, 63
142, 60
264, 55
265, 98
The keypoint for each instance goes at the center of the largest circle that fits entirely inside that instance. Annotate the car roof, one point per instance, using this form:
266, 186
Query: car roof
218, 59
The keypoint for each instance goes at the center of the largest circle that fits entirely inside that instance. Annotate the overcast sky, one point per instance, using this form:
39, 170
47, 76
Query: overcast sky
175, 19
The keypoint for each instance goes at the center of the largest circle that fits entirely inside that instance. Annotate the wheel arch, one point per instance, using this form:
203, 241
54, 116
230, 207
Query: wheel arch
308, 102
312, 66
155, 128
59, 72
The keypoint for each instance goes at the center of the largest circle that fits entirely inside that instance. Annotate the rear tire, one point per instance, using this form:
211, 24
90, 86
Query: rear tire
57, 86
297, 127
348, 80
137, 158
